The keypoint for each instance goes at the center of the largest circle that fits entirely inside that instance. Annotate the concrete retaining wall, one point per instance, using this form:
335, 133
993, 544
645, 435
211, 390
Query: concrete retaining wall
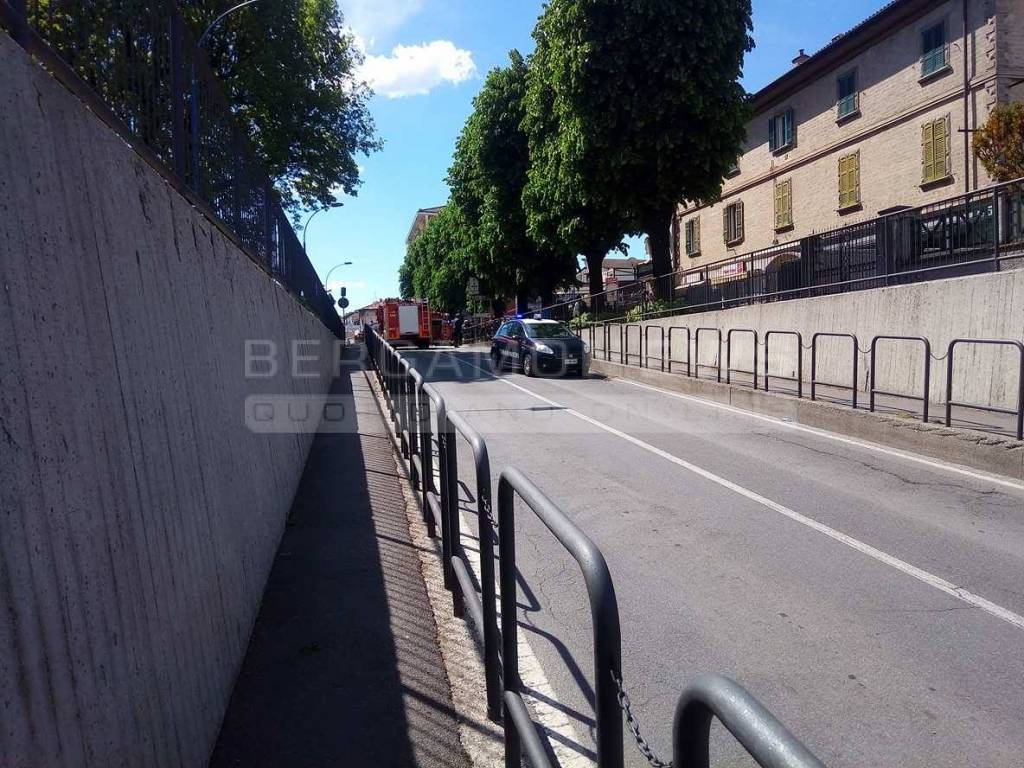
981, 306
138, 515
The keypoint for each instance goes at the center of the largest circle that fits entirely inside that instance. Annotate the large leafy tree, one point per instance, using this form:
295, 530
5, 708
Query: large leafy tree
568, 196
487, 177
634, 106
665, 100
291, 71
999, 144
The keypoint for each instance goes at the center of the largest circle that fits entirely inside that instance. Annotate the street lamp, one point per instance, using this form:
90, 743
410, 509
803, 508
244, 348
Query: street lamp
336, 266
194, 95
312, 216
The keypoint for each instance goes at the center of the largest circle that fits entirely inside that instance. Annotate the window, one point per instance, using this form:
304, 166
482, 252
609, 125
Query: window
732, 223
934, 52
781, 131
691, 237
784, 204
846, 98
849, 181
548, 329
935, 162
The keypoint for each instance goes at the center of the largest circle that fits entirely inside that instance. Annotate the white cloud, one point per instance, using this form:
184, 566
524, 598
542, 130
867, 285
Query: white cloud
371, 19
415, 70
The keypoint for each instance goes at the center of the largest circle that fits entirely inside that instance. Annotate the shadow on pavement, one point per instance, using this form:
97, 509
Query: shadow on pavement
343, 667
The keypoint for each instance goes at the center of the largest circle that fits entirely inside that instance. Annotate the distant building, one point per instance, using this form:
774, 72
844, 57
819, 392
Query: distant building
419, 223
617, 273
879, 118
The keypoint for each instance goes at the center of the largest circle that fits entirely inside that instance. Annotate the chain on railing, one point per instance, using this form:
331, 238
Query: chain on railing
137, 66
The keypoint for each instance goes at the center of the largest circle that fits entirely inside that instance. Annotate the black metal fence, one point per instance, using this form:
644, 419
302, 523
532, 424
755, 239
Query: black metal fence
137, 66
973, 233
693, 365
421, 422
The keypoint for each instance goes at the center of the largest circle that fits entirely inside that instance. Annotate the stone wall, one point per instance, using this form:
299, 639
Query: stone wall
139, 516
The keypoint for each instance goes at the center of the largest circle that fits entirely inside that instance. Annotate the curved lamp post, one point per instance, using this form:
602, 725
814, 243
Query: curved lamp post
312, 216
336, 266
194, 95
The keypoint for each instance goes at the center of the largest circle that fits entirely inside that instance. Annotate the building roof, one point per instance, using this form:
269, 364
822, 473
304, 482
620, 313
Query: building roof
842, 48
419, 222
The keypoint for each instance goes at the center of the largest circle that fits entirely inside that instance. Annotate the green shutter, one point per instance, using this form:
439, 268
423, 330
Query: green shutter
927, 152
696, 235
725, 224
942, 162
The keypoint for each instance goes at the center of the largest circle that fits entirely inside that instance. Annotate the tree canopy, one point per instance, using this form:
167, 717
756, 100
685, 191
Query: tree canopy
290, 69
436, 264
649, 110
999, 144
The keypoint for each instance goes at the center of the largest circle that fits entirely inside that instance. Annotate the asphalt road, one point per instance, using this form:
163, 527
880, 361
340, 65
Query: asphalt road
872, 602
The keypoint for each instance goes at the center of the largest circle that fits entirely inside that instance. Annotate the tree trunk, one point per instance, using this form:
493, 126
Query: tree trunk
522, 301
659, 229
596, 279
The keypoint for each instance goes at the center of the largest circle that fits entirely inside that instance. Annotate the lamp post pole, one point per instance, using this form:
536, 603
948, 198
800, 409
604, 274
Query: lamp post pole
312, 216
194, 93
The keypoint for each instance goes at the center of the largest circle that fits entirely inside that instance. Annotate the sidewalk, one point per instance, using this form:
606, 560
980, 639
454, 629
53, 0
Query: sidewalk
344, 668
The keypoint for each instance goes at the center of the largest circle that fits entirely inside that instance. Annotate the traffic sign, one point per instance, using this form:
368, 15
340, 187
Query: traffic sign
343, 302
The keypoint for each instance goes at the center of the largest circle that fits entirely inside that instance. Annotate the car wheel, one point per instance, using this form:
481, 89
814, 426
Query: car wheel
528, 365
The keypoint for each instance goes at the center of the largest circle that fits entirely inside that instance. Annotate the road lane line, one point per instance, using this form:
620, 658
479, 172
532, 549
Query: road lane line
921, 575
831, 436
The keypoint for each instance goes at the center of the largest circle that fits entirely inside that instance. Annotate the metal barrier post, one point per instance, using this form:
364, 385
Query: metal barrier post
718, 355
799, 378
519, 730
760, 734
688, 354
814, 364
640, 342
1018, 412
729, 370
647, 345
872, 390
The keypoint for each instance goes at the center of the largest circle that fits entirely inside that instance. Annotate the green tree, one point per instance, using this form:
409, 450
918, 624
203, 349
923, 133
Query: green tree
436, 265
290, 70
665, 98
487, 177
568, 196
999, 144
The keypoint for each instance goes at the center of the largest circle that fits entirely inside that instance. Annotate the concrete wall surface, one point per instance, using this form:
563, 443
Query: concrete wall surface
139, 516
980, 306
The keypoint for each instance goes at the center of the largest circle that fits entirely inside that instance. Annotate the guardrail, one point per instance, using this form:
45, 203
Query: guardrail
417, 411
691, 344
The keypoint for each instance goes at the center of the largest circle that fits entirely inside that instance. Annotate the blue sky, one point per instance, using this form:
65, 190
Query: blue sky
426, 60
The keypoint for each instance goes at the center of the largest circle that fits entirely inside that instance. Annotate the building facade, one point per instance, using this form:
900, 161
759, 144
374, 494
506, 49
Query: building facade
880, 118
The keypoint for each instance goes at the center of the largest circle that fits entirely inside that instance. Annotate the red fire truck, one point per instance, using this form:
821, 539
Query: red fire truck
405, 321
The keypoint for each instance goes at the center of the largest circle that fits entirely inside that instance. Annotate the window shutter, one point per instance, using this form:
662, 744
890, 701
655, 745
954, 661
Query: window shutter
943, 166
842, 182
696, 235
788, 130
739, 220
789, 201
773, 142
855, 178
927, 152
725, 224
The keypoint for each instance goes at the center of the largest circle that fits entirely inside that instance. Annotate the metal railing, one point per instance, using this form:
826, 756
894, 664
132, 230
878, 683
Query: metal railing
136, 65
967, 234
409, 401
694, 365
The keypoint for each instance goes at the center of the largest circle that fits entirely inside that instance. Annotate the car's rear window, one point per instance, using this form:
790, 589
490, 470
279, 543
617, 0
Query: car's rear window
548, 331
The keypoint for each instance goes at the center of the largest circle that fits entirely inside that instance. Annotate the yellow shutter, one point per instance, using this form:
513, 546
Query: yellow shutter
854, 169
739, 220
788, 201
928, 152
941, 133
843, 192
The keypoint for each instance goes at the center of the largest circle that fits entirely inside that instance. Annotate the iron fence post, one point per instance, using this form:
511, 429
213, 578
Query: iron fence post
268, 228
452, 524
179, 140
996, 212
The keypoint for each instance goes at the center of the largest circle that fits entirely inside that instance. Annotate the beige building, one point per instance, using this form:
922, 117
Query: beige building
873, 121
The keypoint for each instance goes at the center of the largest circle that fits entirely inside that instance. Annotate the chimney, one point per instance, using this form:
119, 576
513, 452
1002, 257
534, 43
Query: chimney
800, 58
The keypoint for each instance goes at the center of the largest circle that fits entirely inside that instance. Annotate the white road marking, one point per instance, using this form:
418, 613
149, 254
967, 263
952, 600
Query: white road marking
883, 557
1006, 482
